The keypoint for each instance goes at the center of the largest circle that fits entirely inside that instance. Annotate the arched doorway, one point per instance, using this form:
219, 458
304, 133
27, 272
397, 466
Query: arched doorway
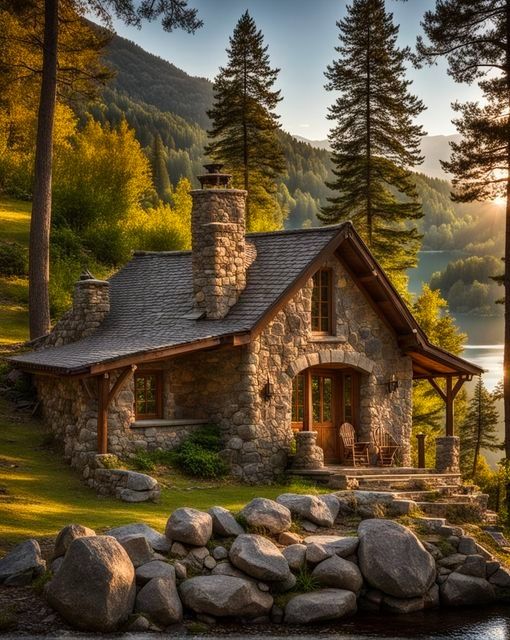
323, 397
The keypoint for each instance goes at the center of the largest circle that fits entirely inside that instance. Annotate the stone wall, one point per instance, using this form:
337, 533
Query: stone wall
218, 236
225, 387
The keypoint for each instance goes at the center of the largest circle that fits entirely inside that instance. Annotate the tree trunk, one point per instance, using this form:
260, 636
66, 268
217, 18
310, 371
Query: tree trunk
39, 246
245, 141
506, 357
478, 432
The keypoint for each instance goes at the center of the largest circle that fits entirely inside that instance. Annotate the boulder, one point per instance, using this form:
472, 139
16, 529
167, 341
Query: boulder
338, 573
403, 605
178, 550
452, 561
333, 504
160, 602
190, 526
467, 546
67, 535
227, 569
473, 566
140, 481
321, 547
154, 569
224, 523
307, 507
130, 495
287, 538
259, 557
327, 604
295, 554
22, 564
460, 590
156, 540
222, 596
501, 578
392, 559
431, 599
262, 513
94, 589
138, 549
219, 553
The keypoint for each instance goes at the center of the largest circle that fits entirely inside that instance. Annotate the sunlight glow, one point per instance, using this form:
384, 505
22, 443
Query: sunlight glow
500, 200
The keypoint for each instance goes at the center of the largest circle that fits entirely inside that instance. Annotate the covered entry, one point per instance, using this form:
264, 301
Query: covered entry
323, 399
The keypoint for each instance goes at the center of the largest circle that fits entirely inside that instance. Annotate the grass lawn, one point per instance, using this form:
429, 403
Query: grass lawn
41, 493
14, 226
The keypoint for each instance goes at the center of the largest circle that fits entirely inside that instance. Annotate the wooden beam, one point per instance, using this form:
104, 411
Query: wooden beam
120, 382
308, 402
103, 390
458, 386
437, 388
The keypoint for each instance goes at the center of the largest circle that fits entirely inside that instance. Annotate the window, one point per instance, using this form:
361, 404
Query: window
148, 395
298, 385
322, 302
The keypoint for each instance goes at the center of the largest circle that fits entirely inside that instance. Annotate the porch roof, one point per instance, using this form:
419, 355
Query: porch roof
151, 313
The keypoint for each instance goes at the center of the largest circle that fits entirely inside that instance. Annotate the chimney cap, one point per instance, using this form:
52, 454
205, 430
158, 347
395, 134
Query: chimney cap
214, 178
86, 275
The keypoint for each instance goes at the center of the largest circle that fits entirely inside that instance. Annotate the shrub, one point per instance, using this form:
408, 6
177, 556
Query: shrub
199, 455
197, 461
13, 259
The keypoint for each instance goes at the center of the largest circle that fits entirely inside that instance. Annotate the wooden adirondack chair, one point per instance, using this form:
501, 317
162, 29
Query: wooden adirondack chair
387, 447
355, 452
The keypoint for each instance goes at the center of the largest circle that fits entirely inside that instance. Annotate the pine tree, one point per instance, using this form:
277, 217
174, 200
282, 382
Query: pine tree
474, 37
160, 170
244, 125
478, 431
374, 140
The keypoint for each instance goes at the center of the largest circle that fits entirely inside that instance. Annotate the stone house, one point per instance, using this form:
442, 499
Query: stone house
264, 335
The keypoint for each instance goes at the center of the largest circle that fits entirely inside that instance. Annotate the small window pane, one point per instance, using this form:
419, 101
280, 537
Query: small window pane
321, 302
147, 395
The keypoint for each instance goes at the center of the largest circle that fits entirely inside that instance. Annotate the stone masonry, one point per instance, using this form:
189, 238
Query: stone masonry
219, 263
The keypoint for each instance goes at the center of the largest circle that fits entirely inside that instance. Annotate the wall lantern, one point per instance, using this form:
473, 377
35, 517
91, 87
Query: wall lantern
392, 384
268, 391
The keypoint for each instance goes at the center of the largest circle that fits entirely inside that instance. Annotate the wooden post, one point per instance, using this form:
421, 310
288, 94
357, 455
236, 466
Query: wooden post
421, 450
308, 408
102, 412
449, 406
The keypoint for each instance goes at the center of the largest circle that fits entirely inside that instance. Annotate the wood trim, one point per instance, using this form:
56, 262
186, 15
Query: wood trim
158, 374
437, 388
102, 412
308, 402
121, 381
331, 315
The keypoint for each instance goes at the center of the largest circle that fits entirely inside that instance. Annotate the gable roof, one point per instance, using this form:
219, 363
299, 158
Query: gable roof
151, 305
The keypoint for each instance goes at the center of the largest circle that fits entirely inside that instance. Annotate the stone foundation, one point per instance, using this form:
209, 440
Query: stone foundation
128, 486
448, 454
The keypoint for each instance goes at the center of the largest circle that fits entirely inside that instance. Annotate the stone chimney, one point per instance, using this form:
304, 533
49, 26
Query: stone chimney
218, 227
91, 305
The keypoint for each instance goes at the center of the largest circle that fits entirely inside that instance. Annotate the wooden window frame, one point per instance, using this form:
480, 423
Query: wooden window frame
298, 425
158, 373
330, 316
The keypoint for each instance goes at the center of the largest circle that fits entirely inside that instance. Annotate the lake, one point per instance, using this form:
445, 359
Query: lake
485, 334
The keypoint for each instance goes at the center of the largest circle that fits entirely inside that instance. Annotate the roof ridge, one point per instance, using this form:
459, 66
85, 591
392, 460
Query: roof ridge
283, 232
141, 253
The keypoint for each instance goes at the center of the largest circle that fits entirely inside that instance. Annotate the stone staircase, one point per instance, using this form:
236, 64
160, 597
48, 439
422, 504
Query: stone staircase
437, 495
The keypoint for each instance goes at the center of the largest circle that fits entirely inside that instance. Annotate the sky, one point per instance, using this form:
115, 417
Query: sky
301, 35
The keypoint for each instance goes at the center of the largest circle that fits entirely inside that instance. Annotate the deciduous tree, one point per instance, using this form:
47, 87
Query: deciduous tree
173, 13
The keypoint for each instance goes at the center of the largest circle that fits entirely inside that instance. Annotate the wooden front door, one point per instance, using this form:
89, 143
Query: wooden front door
323, 413
322, 399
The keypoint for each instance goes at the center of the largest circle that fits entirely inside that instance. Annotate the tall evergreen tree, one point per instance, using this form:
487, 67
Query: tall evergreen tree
160, 170
52, 13
374, 140
244, 125
478, 431
474, 37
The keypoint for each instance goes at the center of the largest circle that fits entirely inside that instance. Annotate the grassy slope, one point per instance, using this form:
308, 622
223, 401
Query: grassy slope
14, 226
42, 493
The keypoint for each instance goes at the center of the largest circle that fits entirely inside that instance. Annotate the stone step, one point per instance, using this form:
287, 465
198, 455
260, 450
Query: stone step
453, 511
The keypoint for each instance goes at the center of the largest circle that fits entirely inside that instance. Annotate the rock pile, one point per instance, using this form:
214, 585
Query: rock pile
207, 566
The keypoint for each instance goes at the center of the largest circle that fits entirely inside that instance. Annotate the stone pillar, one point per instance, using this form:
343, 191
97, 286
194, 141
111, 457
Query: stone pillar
308, 454
447, 454
218, 228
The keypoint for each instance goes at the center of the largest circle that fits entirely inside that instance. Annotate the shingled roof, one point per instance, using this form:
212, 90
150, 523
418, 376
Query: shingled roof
152, 305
